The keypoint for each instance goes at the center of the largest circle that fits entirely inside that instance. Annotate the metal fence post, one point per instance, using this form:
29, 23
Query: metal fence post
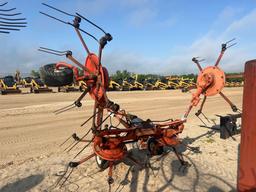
247, 159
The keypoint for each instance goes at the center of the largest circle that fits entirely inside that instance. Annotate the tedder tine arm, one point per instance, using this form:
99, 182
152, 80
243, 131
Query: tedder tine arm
82, 41
224, 47
77, 103
72, 145
234, 108
201, 106
84, 148
195, 60
70, 57
91, 22
88, 120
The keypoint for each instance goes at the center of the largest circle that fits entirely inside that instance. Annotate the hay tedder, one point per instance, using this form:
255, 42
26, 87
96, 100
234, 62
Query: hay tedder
109, 142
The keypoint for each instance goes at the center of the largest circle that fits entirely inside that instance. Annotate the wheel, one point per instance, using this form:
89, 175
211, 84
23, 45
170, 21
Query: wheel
2, 92
102, 164
56, 78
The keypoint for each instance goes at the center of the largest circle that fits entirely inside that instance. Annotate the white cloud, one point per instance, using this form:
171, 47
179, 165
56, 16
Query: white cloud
207, 47
26, 57
142, 16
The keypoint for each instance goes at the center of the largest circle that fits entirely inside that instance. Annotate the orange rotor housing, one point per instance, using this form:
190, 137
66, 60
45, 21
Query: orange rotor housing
112, 150
210, 81
92, 64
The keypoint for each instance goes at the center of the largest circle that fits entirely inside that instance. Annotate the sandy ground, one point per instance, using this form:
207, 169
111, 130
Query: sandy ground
31, 159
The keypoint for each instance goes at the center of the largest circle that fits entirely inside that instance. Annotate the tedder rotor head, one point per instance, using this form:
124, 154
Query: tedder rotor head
212, 76
210, 81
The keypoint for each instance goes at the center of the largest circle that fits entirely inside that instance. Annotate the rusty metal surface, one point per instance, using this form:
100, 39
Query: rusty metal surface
218, 81
247, 164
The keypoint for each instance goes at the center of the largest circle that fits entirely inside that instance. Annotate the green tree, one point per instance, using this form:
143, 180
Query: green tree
35, 74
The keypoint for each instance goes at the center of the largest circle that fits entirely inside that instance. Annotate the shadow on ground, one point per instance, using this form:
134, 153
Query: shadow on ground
172, 175
23, 185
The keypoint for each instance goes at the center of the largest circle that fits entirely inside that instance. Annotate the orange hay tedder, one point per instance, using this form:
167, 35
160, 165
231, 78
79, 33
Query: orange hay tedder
109, 141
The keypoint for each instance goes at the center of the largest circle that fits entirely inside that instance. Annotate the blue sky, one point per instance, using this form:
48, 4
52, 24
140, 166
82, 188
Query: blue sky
149, 36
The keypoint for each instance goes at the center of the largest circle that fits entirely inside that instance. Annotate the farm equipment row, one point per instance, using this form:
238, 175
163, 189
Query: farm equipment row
9, 85
129, 84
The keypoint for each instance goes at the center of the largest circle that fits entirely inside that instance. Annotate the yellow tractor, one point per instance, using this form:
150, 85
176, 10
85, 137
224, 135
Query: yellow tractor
27, 82
187, 84
68, 88
38, 86
161, 85
8, 85
173, 82
114, 86
149, 84
131, 84
127, 86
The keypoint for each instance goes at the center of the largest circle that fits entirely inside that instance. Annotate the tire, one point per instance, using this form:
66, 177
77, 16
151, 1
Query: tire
36, 91
56, 78
3, 92
102, 164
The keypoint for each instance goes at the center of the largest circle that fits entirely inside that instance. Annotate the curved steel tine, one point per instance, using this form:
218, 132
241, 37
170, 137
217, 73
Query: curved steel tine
8, 25
6, 32
55, 18
14, 14
91, 22
63, 108
68, 23
11, 29
83, 148
89, 119
76, 142
65, 141
48, 49
7, 9
11, 19
230, 41
67, 177
231, 45
61, 177
15, 23
58, 10
88, 34
201, 60
3, 4
51, 52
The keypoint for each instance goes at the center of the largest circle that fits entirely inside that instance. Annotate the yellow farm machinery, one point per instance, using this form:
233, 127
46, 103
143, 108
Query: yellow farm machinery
8, 85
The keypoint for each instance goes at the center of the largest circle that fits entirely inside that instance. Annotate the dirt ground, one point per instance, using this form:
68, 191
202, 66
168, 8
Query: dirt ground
31, 159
